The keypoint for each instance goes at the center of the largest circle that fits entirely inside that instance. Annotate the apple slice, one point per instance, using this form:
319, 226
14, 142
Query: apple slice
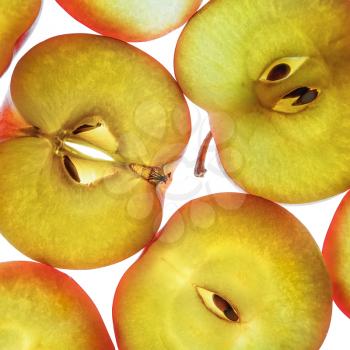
336, 251
42, 308
274, 78
131, 20
228, 271
99, 125
16, 18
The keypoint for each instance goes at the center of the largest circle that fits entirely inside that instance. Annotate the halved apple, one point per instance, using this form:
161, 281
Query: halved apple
275, 79
16, 18
131, 20
336, 251
228, 271
42, 308
92, 131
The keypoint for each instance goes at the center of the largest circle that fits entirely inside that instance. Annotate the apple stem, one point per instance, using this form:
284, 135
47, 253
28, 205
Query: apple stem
200, 170
154, 175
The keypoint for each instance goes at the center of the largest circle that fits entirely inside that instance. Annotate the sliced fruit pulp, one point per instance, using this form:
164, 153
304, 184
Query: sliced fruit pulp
293, 158
336, 251
16, 17
78, 77
132, 20
255, 256
42, 308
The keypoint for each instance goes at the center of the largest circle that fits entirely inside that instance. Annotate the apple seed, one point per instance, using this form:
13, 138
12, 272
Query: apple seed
282, 69
218, 305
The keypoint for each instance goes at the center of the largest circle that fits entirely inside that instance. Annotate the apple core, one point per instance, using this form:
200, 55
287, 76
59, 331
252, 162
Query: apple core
276, 93
89, 153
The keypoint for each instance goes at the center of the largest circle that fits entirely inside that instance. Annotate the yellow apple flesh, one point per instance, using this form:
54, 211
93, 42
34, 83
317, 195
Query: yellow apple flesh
275, 79
16, 18
59, 88
42, 308
131, 20
228, 271
336, 251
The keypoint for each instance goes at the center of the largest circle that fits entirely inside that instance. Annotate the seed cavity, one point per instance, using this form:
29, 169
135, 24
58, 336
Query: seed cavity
71, 169
88, 172
96, 132
282, 69
279, 72
85, 127
297, 92
89, 153
226, 308
306, 98
297, 100
217, 305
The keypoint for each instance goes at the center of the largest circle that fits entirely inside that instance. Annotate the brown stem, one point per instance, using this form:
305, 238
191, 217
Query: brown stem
199, 169
154, 175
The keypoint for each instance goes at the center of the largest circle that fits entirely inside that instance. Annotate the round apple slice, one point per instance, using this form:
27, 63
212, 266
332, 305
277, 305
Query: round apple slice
104, 124
42, 308
131, 20
275, 80
336, 251
16, 18
228, 271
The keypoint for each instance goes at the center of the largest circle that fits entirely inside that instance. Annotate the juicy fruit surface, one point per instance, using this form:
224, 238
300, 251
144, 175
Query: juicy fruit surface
16, 16
57, 84
69, 77
250, 252
68, 225
297, 157
336, 252
131, 20
42, 308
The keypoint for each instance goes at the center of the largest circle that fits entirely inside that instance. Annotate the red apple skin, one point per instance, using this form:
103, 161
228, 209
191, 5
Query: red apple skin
11, 123
23, 36
81, 12
336, 252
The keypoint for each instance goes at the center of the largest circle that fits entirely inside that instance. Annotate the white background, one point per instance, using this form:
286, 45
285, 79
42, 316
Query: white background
100, 284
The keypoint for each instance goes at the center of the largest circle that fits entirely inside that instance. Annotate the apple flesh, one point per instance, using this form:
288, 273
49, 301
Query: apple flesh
16, 18
228, 271
336, 251
42, 308
275, 80
101, 124
131, 20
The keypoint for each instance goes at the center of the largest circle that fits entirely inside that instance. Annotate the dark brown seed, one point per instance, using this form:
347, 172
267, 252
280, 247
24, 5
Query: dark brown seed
85, 127
297, 92
231, 315
226, 308
307, 98
71, 169
279, 72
